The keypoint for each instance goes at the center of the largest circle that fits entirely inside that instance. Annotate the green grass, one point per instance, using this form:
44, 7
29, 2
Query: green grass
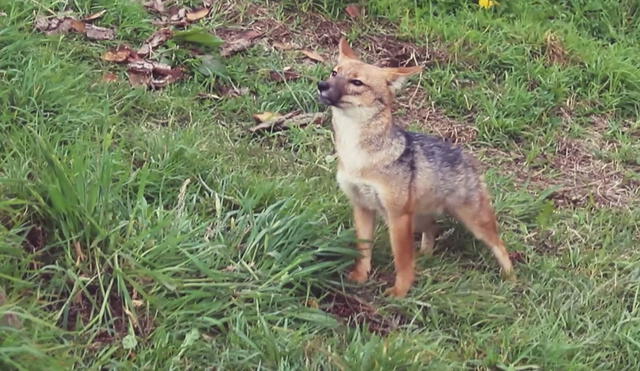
205, 246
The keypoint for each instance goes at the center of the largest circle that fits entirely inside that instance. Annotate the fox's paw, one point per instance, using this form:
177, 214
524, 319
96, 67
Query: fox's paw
509, 276
396, 292
358, 275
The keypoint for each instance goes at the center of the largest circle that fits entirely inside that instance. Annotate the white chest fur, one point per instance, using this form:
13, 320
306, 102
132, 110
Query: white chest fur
353, 159
348, 131
359, 191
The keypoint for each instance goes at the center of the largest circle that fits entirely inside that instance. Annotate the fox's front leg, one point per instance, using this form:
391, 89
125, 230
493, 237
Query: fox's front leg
401, 234
365, 224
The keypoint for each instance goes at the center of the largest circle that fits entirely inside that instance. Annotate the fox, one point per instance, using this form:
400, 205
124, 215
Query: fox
407, 178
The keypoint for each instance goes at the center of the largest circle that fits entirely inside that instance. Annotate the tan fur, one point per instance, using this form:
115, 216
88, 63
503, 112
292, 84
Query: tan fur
406, 178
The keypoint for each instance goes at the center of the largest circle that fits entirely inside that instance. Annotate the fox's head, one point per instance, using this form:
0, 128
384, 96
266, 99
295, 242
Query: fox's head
355, 84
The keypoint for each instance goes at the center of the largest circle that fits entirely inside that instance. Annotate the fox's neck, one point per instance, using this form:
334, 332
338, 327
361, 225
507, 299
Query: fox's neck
361, 134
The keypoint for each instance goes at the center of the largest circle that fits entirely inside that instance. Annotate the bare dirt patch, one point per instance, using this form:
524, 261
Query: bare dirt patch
579, 176
585, 177
356, 311
421, 111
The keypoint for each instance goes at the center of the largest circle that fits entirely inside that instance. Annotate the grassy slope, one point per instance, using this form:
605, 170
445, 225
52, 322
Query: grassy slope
227, 271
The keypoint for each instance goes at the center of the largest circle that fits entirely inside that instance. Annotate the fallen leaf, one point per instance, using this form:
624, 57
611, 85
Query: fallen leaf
99, 33
285, 75
137, 78
137, 303
266, 116
158, 38
109, 77
118, 55
239, 43
313, 56
353, 11
75, 25
155, 5
3, 14
53, 26
179, 16
94, 16
197, 14
153, 74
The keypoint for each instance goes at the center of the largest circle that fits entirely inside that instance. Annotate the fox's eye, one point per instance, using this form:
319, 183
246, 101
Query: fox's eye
356, 82
333, 73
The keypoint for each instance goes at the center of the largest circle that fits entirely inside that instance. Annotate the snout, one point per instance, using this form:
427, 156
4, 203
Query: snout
328, 93
323, 86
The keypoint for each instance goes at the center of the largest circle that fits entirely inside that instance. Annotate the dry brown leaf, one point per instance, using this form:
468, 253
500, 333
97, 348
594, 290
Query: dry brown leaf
197, 14
94, 16
155, 5
313, 56
153, 74
285, 75
239, 43
139, 78
99, 33
53, 26
266, 116
118, 55
158, 38
354, 11
109, 77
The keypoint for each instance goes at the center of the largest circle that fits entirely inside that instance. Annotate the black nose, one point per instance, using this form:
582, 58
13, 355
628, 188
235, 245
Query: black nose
323, 85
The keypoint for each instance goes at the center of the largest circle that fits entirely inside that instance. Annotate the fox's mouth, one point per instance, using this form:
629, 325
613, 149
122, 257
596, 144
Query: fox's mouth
326, 100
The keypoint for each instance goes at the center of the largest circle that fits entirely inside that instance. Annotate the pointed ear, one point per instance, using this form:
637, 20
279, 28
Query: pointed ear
345, 51
398, 75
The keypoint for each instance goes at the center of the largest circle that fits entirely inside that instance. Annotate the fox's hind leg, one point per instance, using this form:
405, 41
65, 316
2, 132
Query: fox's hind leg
365, 224
480, 219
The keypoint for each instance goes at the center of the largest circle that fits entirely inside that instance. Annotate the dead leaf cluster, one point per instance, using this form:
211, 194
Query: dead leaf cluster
236, 40
66, 24
154, 74
155, 40
175, 16
142, 72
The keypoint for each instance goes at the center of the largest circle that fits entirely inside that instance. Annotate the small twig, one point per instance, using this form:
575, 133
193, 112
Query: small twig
290, 120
